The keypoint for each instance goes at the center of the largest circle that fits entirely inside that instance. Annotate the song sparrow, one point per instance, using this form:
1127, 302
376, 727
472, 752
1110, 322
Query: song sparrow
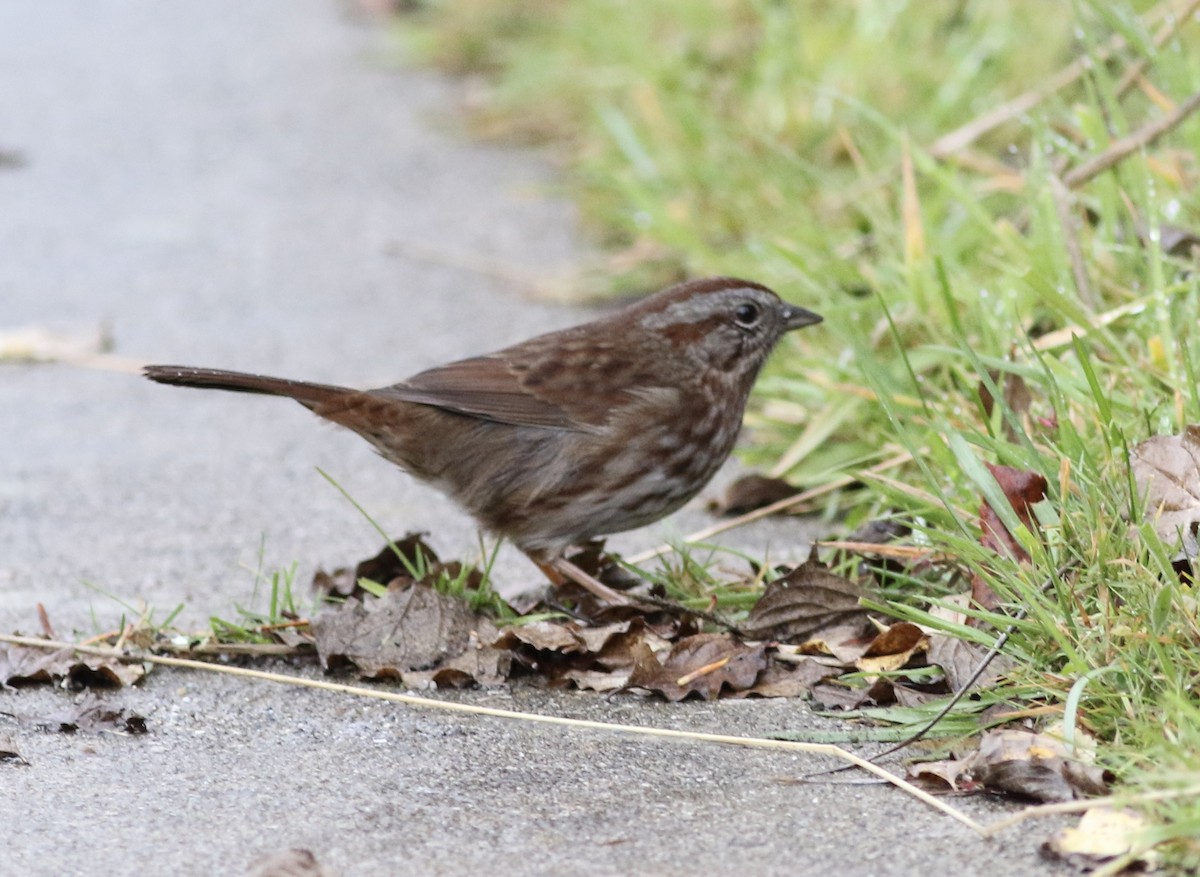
575, 434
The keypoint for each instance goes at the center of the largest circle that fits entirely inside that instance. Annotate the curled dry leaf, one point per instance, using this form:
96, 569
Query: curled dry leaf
24, 666
892, 648
1166, 469
565, 652
702, 664
417, 635
793, 679
1022, 488
808, 599
1035, 766
845, 642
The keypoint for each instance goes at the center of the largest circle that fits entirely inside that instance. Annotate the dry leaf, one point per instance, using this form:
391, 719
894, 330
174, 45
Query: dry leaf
1102, 835
702, 664
1022, 488
806, 600
90, 714
1020, 763
1034, 766
790, 680
1017, 398
892, 648
24, 666
1167, 471
834, 695
959, 658
418, 629
289, 863
847, 642
751, 492
9, 753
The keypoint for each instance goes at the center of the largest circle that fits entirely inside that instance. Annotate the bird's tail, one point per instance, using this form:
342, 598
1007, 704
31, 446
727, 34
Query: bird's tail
308, 395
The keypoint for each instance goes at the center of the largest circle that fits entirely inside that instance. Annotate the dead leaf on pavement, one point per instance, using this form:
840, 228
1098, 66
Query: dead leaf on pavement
1028, 765
417, 635
295, 862
1103, 834
702, 664
808, 599
90, 715
9, 753
20, 666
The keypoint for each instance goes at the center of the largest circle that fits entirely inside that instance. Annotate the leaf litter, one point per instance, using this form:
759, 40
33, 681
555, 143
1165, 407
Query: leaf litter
405, 615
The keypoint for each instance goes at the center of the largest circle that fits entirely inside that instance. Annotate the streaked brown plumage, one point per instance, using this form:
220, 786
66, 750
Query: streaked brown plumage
592, 430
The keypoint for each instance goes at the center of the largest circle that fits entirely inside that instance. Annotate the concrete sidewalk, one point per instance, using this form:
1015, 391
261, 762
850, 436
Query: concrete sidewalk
234, 183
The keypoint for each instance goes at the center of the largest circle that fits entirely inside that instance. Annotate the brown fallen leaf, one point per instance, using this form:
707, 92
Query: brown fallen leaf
393, 567
550, 636
1166, 469
90, 715
1029, 765
791, 679
892, 648
418, 629
1103, 834
808, 599
845, 642
751, 492
948, 774
295, 862
24, 666
959, 658
1022, 488
1016, 394
834, 695
703, 664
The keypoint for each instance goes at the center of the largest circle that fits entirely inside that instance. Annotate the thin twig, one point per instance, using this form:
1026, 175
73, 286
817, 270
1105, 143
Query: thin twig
825, 749
1139, 139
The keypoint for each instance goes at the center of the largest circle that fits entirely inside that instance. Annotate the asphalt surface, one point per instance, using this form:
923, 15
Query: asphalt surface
237, 183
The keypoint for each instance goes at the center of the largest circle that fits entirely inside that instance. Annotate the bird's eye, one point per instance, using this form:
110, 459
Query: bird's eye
746, 314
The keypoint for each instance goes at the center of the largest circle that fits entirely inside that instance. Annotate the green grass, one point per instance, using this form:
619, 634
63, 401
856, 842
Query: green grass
791, 143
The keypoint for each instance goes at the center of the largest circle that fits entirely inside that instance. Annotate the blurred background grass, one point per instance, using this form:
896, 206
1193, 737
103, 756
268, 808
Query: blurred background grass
840, 152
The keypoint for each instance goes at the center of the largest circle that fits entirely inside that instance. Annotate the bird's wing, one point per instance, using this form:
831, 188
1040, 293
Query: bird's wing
488, 387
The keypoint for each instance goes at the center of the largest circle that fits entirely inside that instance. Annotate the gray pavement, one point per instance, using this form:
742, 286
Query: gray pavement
234, 183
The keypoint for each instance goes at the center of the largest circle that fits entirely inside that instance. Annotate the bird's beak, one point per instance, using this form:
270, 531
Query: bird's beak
797, 318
